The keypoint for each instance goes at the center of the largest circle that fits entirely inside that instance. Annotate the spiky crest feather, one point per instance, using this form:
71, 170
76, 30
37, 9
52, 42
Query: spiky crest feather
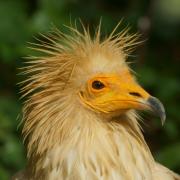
63, 138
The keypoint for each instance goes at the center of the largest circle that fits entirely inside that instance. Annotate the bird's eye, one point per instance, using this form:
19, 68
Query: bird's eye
97, 85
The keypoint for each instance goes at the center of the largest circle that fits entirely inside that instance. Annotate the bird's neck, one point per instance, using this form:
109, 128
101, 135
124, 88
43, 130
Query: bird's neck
83, 139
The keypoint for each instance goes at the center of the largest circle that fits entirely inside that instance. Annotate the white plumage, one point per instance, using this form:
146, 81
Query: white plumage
80, 120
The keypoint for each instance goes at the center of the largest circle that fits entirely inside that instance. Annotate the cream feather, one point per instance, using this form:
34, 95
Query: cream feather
67, 140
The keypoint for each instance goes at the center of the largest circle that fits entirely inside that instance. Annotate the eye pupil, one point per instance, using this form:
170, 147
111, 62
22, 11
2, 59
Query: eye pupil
98, 85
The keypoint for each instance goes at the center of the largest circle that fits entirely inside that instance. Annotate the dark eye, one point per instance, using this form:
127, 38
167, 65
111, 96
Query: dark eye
97, 85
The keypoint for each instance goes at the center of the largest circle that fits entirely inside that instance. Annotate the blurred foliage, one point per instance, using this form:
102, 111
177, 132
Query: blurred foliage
158, 63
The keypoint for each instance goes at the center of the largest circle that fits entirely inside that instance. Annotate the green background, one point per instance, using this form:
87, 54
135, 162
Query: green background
157, 63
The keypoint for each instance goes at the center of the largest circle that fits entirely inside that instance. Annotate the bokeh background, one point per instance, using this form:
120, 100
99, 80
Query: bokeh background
157, 63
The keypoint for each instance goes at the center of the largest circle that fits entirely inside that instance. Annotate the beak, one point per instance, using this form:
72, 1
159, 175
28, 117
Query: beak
121, 95
157, 107
139, 99
146, 102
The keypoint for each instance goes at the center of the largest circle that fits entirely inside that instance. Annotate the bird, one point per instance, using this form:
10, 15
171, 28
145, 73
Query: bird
81, 113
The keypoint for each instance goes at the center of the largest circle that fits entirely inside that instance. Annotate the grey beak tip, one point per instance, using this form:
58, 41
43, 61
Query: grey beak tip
163, 118
157, 107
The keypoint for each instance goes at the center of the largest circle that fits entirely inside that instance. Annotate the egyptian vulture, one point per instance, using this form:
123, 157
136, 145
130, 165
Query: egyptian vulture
80, 118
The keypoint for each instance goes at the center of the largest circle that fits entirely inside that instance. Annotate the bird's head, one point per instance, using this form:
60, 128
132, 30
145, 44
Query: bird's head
114, 91
88, 70
79, 89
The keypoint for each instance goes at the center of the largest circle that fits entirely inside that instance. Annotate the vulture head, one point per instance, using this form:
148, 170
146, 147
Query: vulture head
80, 115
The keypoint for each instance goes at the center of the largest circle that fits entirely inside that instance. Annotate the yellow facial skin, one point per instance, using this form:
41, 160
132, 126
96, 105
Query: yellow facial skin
114, 93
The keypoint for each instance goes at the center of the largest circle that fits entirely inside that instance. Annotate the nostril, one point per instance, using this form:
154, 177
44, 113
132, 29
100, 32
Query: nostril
135, 94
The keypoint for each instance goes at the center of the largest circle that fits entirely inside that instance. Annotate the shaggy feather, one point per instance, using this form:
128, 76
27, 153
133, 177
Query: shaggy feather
67, 140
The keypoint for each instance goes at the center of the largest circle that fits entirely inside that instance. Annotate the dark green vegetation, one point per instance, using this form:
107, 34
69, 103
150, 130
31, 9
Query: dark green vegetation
157, 63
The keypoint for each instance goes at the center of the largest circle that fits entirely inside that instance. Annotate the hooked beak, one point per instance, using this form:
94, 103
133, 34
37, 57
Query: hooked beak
144, 101
133, 96
120, 95
139, 99
157, 107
